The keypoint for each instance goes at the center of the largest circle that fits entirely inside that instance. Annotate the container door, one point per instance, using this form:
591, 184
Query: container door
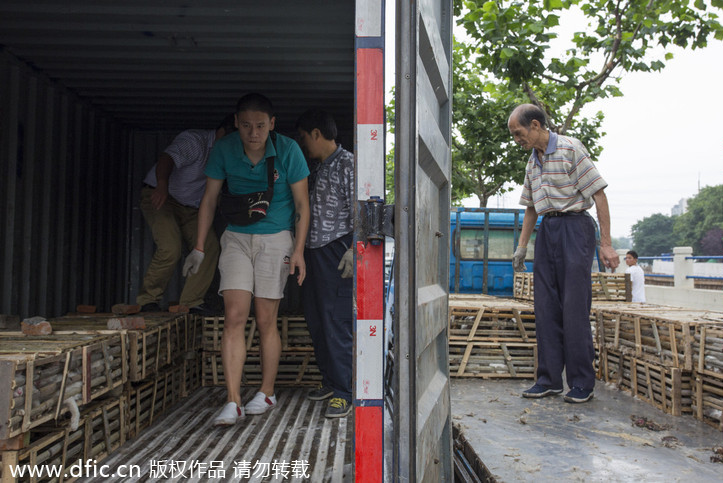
421, 415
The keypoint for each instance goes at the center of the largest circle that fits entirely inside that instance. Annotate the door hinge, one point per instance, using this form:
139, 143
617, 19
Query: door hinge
377, 220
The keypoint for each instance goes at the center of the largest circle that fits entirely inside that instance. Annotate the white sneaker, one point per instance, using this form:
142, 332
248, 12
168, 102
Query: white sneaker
229, 415
260, 403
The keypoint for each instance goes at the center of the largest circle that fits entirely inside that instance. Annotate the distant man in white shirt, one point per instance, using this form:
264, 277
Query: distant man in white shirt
637, 277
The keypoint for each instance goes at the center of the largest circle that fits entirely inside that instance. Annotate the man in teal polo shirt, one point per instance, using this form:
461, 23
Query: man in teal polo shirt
256, 259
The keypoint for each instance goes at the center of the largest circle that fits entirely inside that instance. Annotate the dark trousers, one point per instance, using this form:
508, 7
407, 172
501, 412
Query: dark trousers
328, 310
564, 251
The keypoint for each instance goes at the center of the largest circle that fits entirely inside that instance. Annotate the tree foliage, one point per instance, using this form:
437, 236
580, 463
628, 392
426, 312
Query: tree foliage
484, 156
703, 219
653, 235
513, 37
700, 227
622, 242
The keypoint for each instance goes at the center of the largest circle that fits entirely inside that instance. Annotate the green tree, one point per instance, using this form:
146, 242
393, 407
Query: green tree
622, 243
701, 221
484, 156
653, 235
513, 37
389, 159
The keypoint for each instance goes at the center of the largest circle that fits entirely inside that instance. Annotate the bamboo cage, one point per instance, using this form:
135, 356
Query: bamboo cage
42, 373
102, 429
166, 338
149, 400
708, 350
605, 286
708, 401
670, 389
655, 333
295, 369
292, 330
491, 338
493, 359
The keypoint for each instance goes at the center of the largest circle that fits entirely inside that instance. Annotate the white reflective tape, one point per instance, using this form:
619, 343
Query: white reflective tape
369, 18
369, 359
370, 160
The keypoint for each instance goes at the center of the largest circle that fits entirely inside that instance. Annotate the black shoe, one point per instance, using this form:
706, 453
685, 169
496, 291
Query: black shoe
538, 391
151, 307
320, 393
204, 309
338, 408
578, 395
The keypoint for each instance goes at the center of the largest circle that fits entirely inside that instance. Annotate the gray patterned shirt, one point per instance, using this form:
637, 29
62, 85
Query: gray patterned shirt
331, 194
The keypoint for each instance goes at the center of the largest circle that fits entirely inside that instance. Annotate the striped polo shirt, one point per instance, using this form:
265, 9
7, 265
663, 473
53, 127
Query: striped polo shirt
563, 180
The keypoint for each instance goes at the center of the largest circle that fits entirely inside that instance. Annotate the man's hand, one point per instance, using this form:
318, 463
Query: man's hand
518, 259
610, 257
193, 262
346, 265
159, 196
297, 261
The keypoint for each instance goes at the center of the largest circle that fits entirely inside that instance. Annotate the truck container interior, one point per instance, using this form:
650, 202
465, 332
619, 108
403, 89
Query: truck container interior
91, 93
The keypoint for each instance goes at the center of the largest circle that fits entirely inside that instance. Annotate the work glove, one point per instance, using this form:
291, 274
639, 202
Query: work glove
518, 259
346, 265
193, 262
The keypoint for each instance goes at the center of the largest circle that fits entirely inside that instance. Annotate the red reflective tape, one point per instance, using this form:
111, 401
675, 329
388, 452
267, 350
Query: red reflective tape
370, 86
370, 281
368, 450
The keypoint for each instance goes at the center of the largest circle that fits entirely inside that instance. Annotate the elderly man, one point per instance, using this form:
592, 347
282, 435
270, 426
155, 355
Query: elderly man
561, 183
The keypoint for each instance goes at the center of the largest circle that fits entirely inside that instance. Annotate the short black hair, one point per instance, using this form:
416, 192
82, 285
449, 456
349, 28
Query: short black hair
318, 119
529, 113
633, 253
228, 124
255, 102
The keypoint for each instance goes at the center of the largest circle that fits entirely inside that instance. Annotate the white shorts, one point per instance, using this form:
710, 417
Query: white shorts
256, 263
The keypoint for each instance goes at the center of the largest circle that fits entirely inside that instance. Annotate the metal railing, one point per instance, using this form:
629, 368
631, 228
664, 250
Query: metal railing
693, 277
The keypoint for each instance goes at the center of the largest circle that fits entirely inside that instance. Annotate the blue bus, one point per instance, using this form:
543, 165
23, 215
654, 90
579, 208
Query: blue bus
482, 243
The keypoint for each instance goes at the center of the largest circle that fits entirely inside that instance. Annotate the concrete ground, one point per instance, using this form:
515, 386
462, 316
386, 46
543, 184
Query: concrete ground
550, 440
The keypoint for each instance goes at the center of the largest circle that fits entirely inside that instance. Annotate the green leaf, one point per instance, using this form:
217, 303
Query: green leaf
507, 53
552, 20
700, 4
669, 55
489, 6
553, 4
717, 3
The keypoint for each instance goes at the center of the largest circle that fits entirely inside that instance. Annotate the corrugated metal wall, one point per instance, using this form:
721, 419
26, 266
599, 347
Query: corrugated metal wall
65, 198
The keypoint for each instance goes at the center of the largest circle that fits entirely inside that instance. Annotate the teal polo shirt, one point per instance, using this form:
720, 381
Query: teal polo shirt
228, 161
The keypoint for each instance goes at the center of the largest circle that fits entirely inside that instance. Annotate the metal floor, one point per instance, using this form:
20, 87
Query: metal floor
549, 440
517, 439
296, 430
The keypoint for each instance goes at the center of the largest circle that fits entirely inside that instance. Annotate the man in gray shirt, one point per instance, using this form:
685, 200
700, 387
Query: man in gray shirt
327, 291
172, 191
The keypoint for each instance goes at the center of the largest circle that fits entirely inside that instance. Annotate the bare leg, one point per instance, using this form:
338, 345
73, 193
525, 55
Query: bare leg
233, 342
270, 343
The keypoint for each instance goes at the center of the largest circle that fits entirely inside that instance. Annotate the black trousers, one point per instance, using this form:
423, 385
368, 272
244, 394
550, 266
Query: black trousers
564, 250
327, 302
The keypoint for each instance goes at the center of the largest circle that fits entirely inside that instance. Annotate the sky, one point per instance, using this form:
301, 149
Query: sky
663, 137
